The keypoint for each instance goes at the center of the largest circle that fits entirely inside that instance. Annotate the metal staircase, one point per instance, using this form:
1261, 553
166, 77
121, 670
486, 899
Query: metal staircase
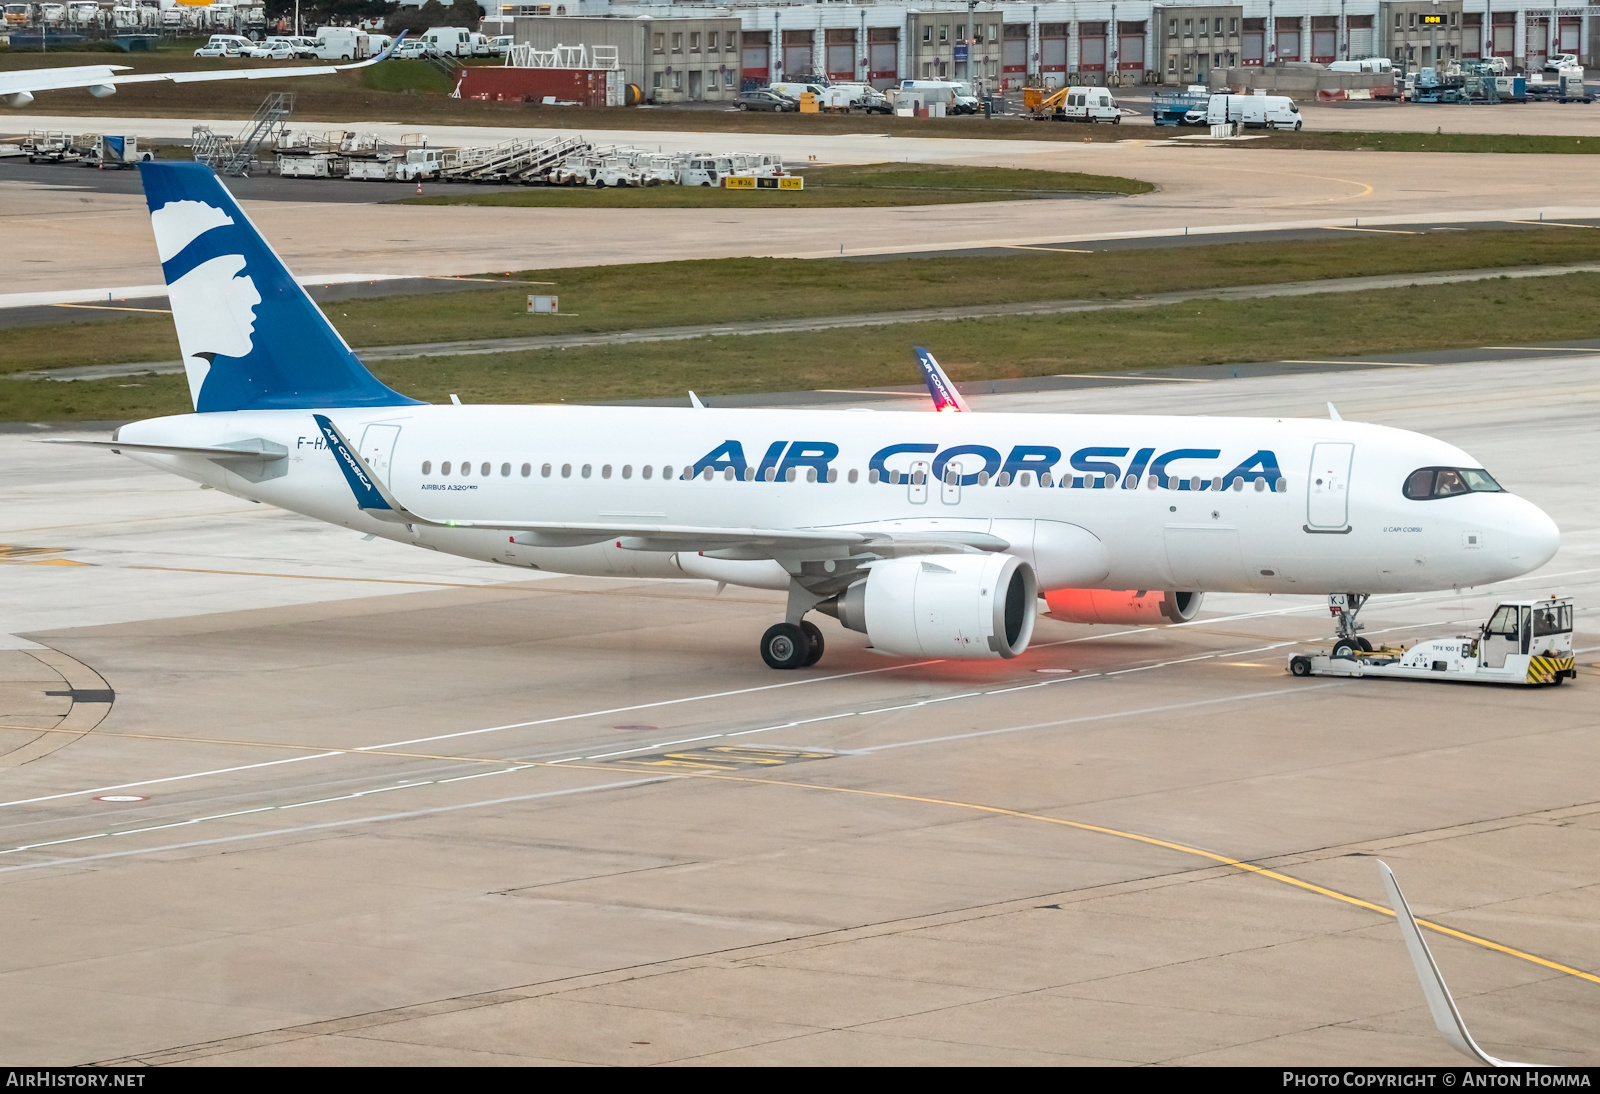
232, 156
514, 160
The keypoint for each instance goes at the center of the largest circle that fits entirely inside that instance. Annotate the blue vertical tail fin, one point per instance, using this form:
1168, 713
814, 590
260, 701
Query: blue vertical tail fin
251, 337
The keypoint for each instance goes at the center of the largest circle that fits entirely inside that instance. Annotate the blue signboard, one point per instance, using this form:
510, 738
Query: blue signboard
961, 51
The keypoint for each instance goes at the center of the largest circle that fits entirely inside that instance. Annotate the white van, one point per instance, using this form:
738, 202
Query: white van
342, 44
957, 97
1089, 104
794, 91
1254, 111
455, 41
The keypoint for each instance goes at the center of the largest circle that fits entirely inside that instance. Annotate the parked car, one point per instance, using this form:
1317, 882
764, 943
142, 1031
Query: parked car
225, 45
272, 51
501, 44
762, 99
414, 48
1559, 61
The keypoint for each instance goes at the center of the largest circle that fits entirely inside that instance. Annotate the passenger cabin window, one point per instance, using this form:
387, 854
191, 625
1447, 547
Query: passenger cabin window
1426, 483
444, 468
427, 466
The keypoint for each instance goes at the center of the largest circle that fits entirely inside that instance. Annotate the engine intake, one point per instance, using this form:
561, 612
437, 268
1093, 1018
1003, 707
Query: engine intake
967, 606
1137, 606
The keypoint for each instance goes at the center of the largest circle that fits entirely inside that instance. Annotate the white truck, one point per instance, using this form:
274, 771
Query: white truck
420, 163
1253, 111
1524, 642
1366, 64
342, 44
452, 41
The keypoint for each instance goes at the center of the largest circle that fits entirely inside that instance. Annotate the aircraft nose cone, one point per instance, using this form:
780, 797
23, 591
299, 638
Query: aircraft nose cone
1532, 536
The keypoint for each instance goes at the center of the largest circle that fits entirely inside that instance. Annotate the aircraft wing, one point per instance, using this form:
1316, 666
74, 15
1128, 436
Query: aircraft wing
17, 87
374, 499
53, 79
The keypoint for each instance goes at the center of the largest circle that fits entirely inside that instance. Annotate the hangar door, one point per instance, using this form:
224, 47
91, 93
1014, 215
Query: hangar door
1327, 487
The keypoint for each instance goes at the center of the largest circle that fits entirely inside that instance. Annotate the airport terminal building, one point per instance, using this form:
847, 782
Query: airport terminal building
691, 51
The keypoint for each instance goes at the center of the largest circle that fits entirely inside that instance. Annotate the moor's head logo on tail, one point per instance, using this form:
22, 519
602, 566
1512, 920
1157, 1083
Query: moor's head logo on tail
251, 337
213, 298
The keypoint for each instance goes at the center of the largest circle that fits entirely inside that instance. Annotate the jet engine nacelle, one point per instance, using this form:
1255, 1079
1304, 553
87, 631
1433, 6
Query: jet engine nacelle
18, 98
101, 91
1150, 607
968, 606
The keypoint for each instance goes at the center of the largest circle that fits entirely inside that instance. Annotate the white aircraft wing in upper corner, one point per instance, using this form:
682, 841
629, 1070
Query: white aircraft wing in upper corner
17, 88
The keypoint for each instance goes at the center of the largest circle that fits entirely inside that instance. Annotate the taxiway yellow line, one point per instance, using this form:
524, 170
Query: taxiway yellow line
1182, 848
995, 810
315, 577
1551, 223
108, 307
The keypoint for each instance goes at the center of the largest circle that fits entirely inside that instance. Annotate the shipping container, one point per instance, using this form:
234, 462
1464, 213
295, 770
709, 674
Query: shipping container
583, 86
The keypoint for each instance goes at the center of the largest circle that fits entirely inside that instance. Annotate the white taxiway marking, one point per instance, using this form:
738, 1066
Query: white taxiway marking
463, 733
302, 828
771, 687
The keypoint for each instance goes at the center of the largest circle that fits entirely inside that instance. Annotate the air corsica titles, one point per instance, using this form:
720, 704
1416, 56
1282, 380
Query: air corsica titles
1174, 469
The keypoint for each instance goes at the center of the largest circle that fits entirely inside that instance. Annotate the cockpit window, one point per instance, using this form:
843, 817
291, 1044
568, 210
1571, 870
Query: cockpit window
1444, 482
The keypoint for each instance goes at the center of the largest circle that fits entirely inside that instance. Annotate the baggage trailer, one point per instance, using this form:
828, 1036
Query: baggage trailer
1526, 642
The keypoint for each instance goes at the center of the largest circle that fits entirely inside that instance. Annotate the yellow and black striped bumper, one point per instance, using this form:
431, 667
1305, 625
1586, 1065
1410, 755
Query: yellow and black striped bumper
1543, 670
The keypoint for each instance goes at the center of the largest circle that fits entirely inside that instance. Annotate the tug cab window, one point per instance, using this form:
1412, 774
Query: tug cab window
1426, 483
1553, 619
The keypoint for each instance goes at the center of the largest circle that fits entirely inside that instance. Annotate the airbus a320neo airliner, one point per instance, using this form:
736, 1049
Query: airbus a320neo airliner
933, 533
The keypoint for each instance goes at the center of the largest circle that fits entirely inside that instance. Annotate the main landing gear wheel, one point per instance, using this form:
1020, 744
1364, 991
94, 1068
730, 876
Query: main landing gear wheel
813, 635
785, 646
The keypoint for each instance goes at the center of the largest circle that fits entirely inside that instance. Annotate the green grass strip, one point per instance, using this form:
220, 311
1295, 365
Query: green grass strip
1334, 325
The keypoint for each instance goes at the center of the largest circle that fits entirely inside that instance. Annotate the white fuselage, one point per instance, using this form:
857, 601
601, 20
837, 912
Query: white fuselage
1321, 506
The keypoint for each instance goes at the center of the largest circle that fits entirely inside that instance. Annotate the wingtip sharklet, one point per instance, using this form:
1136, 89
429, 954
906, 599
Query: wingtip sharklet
946, 397
1446, 1017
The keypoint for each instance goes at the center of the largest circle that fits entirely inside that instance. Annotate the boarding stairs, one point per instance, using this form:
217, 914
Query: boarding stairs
232, 156
515, 160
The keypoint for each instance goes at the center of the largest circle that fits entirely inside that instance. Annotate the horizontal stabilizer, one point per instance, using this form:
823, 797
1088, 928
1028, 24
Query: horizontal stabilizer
256, 449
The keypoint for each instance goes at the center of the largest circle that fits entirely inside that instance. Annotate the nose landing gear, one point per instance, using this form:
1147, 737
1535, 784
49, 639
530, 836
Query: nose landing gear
792, 645
1344, 607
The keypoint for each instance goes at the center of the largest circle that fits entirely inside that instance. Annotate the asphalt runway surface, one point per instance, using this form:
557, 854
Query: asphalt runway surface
271, 794
68, 242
